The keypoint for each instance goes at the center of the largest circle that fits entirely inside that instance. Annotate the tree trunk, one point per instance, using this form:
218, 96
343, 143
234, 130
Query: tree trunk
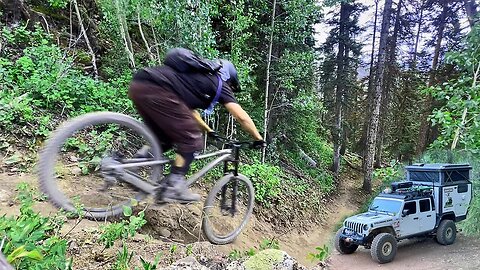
4, 264
372, 54
363, 139
472, 12
124, 32
425, 124
390, 66
465, 110
340, 87
87, 41
417, 37
377, 99
140, 28
267, 84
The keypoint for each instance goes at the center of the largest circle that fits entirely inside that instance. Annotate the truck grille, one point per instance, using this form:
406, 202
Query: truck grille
354, 226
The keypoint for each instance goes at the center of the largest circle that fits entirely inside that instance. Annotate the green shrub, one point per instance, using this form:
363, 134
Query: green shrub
31, 240
265, 179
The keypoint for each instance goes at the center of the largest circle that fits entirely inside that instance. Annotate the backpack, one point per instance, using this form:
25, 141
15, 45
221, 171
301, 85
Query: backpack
185, 61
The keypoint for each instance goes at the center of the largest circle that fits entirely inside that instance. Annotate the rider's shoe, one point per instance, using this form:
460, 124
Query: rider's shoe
176, 190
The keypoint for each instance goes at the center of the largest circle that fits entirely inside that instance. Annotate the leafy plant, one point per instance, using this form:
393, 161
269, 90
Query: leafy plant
123, 229
58, 3
269, 244
124, 257
30, 240
266, 181
320, 255
150, 265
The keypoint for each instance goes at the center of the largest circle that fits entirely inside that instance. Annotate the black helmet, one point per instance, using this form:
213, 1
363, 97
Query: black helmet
229, 74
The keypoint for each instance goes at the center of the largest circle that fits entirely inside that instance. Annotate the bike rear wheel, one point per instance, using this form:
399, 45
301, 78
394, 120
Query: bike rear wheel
70, 163
221, 226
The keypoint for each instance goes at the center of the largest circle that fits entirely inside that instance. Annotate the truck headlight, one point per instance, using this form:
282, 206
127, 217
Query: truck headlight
365, 227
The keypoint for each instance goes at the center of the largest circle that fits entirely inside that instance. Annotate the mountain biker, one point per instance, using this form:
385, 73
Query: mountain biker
167, 98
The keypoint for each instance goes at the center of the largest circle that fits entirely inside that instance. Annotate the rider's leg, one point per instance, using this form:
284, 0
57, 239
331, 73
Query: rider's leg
165, 112
176, 185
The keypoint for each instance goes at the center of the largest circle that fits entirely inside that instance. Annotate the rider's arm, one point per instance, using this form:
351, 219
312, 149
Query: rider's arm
244, 119
200, 121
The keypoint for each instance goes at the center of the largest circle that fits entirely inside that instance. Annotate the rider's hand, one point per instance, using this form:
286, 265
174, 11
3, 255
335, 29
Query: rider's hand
213, 135
258, 144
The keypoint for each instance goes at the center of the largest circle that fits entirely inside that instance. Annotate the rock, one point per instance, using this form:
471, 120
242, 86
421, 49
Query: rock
73, 247
5, 195
188, 263
269, 259
76, 171
164, 232
235, 265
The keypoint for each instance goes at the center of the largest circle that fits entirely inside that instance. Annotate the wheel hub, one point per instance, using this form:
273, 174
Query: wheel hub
449, 233
387, 249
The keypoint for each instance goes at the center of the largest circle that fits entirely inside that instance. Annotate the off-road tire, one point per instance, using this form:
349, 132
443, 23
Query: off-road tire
342, 246
210, 202
49, 155
384, 248
446, 232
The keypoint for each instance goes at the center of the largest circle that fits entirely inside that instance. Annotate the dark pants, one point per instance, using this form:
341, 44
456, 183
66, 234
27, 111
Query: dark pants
168, 117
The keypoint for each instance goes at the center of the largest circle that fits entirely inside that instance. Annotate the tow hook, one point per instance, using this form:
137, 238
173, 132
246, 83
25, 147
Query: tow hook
348, 240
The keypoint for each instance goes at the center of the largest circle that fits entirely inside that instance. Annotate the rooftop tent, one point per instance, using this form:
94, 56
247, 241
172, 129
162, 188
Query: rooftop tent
443, 173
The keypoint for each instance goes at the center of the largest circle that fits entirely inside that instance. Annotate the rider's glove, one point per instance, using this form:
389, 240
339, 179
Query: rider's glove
213, 135
258, 144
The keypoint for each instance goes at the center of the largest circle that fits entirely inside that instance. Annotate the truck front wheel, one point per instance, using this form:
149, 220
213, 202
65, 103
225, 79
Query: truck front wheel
384, 248
342, 246
446, 232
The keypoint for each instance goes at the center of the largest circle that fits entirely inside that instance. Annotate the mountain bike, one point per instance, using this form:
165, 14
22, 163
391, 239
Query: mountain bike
89, 167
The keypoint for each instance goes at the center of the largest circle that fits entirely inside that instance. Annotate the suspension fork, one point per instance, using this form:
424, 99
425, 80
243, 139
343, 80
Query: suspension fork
232, 209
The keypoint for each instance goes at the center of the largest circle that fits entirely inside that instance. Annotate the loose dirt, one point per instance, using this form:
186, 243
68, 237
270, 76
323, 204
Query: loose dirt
417, 254
179, 227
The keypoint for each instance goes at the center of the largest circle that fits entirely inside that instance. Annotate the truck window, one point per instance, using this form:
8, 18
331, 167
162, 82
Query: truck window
462, 188
411, 207
424, 205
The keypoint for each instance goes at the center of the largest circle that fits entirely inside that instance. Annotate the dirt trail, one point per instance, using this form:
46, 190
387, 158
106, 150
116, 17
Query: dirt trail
297, 243
300, 243
423, 254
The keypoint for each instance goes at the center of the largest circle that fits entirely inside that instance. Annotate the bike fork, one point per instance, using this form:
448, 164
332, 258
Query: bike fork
232, 208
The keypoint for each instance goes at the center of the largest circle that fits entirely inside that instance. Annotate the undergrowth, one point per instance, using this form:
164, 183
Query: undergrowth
42, 84
33, 241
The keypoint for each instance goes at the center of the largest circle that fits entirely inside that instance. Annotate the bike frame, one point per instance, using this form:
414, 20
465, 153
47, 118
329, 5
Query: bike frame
227, 156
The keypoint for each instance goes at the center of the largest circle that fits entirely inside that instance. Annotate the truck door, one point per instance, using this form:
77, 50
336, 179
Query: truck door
461, 197
409, 224
426, 217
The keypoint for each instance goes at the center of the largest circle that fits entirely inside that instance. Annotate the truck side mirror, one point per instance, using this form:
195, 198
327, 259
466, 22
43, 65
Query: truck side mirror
405, 212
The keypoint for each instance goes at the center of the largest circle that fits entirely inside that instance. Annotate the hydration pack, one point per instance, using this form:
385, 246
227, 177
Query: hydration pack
185, 61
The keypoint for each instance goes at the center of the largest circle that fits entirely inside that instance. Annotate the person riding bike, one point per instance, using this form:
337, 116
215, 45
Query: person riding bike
167, 98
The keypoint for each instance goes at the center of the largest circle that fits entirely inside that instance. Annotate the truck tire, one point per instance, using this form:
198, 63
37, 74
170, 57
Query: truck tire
342, 246
384, 248
446, 232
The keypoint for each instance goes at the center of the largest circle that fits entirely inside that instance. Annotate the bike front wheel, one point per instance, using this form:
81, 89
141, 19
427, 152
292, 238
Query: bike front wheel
227, 209
70, 164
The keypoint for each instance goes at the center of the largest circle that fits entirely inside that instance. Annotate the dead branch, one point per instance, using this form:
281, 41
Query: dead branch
150, 55
87, 41
4, 265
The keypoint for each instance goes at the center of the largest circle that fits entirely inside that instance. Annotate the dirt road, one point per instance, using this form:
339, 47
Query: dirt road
421, 254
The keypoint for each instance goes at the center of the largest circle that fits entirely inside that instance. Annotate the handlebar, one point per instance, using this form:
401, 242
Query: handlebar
234, 143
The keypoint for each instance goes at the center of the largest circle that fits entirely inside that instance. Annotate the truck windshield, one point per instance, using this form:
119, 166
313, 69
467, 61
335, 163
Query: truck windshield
383, 205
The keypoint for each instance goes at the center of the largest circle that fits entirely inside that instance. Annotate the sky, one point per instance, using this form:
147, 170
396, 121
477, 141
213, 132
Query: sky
366, 19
